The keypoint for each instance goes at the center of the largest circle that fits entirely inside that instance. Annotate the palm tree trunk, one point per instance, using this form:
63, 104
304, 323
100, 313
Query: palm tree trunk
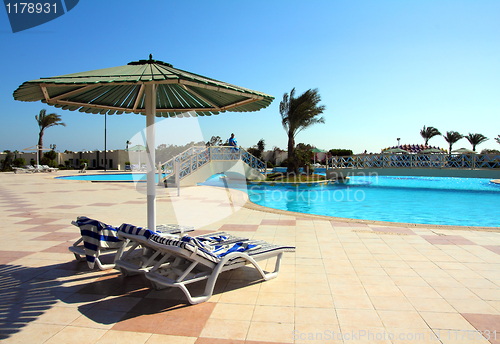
40, 145
291, 156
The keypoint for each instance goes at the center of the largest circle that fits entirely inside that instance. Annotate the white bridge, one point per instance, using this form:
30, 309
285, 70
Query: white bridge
198, 163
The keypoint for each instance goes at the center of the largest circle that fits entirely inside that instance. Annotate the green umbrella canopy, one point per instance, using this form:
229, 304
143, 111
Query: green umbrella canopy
148, 87
317, 150
395, 150
431, 150
120, 90
137, 148
463, 151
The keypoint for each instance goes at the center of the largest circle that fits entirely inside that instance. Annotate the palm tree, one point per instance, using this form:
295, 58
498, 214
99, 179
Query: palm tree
46, 121
497, 139
298, 114
476, 139
428, 133
128, 143
451, 137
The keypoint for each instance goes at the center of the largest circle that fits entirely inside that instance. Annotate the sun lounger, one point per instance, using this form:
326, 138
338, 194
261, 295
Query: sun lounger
46, 168
39, 168
99, 239
137, 255
194, 261
84, 168
20, 169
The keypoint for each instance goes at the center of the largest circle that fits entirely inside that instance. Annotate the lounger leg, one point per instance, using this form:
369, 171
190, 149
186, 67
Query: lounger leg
209, 288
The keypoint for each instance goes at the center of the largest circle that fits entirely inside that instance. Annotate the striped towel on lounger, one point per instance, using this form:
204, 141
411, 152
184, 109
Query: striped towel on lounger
96, 235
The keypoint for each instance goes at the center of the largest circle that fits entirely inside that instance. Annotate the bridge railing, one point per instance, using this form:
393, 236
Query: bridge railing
197, 156
467, 161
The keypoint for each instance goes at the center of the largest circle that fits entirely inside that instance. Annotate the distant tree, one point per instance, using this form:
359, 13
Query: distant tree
490, 151
46, 121
258, 149
128, 143
476, 139
452, 137
254, 151
49, 158
8, 160
214, 141
304, 155
298, 114
340, 152
428, 133
261, 145
276, 153
19, 162
497, 139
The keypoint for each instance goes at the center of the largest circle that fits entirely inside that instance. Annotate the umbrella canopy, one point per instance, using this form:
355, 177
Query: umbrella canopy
122, 90
395, 150
464, 151
431, 150
36, 148
137, 148
317, 150
149, 87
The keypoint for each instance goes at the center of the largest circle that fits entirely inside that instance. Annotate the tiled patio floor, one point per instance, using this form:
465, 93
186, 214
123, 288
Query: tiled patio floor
346, 282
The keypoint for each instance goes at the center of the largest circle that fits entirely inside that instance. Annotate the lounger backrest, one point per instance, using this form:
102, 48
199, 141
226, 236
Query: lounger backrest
200, 246
97, 234
186, 245
130, 229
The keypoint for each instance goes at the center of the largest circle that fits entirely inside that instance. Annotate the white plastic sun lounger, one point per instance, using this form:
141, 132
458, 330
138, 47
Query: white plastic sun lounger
46, 168
195, 262
20, 169
99, 239
137, 255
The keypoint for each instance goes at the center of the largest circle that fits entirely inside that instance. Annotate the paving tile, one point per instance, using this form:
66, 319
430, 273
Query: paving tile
33, 333
446, 321
136, 322
278, 222
239, 227
226, 329
402, 319
361, 318
271, 332
488, 324
126, 337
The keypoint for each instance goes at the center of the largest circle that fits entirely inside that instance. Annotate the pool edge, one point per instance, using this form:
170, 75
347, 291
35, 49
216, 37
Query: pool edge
254, 206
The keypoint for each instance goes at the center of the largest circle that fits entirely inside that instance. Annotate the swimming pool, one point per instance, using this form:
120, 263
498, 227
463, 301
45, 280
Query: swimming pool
423, 200
110, 177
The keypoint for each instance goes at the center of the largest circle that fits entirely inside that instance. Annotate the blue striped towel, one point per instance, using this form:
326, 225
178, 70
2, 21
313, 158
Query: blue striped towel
130, 229
96, 235
218, 250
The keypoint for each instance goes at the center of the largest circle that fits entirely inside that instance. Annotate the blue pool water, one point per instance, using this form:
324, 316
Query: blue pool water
425, 200
110, 177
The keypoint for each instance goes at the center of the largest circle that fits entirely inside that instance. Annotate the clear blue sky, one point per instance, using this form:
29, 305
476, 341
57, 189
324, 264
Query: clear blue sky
384, 69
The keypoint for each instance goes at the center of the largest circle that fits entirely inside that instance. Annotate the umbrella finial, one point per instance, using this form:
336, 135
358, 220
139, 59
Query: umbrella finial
150, 57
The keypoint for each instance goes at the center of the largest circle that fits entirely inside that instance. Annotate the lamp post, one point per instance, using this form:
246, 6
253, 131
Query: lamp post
105, 127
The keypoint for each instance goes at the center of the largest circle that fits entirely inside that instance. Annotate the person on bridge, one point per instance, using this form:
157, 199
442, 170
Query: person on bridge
233, 143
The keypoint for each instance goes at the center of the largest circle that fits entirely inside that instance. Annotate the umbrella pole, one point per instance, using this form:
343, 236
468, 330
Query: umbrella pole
150, 150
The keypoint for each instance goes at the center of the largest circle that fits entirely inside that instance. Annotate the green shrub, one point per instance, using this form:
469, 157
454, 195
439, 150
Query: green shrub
269, 164
19, 162
340, 152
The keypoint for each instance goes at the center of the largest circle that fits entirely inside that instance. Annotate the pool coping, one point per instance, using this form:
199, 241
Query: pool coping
253, 206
